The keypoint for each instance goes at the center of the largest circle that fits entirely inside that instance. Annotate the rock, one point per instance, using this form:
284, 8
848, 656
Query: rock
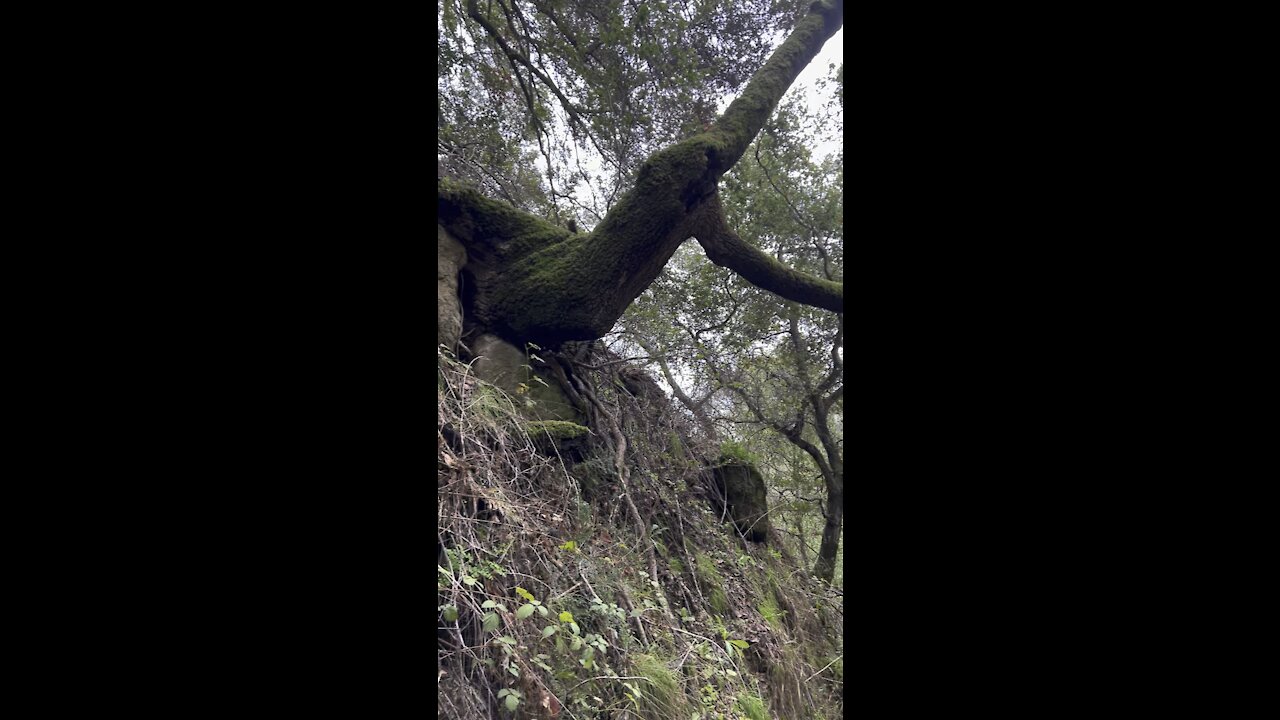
502, 364
742, 486
450, 257
499, 363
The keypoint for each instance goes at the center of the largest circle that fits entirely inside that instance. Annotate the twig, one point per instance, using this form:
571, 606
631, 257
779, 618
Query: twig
607, 677
833, 662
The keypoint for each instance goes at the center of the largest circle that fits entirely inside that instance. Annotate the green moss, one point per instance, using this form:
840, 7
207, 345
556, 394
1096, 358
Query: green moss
769, 609
557, 429
674, 446
676, 567
660, 697
712, 584
737, 451
753, 707
661, 547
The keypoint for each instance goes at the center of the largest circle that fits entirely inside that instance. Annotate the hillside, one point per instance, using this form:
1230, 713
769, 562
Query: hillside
596, 561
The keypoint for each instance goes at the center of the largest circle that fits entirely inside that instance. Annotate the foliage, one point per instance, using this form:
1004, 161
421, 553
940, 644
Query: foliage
742, 360
662, 696
587, 89
737, 451
711, 579
753, 707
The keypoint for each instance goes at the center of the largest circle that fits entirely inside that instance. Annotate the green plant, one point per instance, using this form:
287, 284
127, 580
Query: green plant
513, 698
737, 451
663, 698
770, 610
530, 605
753, 707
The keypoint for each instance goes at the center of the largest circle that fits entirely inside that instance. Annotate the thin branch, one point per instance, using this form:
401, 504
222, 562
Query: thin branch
473, 10
794, 210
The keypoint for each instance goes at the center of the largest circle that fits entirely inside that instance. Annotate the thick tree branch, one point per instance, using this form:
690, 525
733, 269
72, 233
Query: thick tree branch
746, 115
726, 249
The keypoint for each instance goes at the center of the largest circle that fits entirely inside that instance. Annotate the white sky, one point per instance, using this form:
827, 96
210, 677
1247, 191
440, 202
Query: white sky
832, 53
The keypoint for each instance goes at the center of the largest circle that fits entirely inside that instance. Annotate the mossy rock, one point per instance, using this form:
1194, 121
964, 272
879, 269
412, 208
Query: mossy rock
743, 489
595, 474
558, 430
532, 389
558, 436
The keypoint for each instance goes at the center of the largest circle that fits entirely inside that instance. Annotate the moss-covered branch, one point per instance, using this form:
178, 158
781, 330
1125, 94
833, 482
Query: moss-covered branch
726, 249
548, 284
746, 115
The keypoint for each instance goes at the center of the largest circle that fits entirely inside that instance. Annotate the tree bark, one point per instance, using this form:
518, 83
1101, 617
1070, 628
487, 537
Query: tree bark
825, 568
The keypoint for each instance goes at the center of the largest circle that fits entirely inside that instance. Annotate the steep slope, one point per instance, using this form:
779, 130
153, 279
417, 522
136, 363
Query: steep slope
589, 567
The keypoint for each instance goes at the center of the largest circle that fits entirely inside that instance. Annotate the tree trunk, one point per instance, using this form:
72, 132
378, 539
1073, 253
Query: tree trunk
825, 569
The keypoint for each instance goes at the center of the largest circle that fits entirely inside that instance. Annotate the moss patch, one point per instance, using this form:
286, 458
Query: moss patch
712, 584
769, 609
557, 429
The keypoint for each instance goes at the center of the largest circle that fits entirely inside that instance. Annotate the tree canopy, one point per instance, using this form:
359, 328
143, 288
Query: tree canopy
587, 91
550, 284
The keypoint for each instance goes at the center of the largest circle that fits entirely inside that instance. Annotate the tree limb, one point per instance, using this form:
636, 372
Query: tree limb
726, 249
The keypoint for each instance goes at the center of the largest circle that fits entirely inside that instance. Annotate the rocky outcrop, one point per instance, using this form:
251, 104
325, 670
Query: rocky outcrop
450, 257
502, 364
743, 489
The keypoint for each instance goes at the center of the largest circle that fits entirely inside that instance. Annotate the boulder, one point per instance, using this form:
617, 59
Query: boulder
742, 487
450, 257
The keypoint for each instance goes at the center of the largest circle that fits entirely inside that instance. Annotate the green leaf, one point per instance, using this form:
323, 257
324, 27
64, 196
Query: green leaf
512, 703
548, 631
524, 612
488, 604
542, 610
524, 594
566, 617
490, 622
574, 627
741, 643
450, 613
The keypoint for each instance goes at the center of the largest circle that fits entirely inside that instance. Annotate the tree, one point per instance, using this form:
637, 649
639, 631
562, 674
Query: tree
735, 355
531, 279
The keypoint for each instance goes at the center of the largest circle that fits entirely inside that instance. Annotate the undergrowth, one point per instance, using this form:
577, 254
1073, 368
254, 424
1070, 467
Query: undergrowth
547, 600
